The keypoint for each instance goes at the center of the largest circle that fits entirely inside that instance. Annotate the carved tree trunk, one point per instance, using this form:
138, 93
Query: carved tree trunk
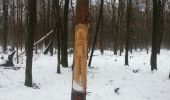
80, 51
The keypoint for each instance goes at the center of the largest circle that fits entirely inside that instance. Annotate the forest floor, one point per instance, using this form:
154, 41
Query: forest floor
109, 79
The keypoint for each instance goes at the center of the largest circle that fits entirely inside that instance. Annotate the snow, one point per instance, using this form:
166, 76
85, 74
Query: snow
135, 82
77, 86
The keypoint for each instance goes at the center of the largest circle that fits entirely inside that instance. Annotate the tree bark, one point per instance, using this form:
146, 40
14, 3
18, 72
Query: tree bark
64, 55
58, 38
80, 51
5, 25
161, 5
30, 41
115, 23
157, 31
154, 36
101, 29
128, 18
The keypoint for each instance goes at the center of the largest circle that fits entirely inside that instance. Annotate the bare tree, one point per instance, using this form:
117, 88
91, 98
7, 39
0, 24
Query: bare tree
129, 29
30, 41
157, 30
64, 57
5, 24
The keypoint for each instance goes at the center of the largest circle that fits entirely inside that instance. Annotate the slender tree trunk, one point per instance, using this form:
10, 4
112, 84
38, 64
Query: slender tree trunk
64, 57
17, 31
101, 28
80, 51
154, 36
21, 24
96, 33
45, 21
58, 34
58, 58
13, 21
161, 5
147, 24
73, 26
30, 41
5, 25
129, 9
114, 23
122, 25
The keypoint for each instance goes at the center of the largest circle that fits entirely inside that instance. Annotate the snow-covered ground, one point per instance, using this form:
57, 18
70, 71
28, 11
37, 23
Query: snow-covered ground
107, 76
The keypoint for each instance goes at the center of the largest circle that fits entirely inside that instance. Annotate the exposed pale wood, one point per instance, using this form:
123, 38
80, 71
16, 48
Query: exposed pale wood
39, 41
80, 56
80, 51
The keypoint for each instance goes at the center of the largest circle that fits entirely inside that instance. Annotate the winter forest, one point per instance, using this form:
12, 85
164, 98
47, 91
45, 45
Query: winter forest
84, 49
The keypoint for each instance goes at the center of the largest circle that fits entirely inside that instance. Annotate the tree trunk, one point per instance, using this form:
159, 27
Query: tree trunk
157, 32
101, 28
115, 25
57, 30
121, 17
154, 36
96, 33
161, 5
129, 10
30, 41
80, 51
17, 31
64, 57
147, 25
5, 25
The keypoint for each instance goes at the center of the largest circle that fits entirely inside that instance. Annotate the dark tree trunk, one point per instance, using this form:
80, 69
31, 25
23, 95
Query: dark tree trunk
96, 33
147, 25
58, 35
58, 58
128, 18
115, 25
78, 95
157, 32
17, 31
101, 41
5, 25
122, 25
13, 21
161, 5
64, 57
52, 45
30, 41
154, 36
